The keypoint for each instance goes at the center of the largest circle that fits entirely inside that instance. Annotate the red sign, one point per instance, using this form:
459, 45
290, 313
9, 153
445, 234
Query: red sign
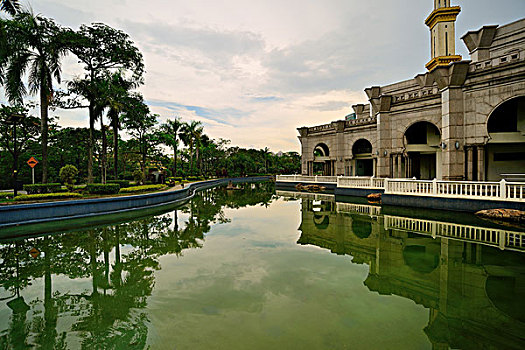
34, 253
32, 162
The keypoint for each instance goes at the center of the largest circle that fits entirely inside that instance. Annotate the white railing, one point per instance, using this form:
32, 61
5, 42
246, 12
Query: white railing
306, 195
490, 236
306, 179
370, 210
501, 190
360, 182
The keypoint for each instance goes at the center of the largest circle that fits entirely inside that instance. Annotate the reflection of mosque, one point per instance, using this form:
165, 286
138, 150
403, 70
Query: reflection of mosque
474, 292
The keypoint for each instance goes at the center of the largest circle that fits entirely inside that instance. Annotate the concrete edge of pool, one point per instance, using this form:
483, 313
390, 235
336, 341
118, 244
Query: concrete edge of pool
21, 214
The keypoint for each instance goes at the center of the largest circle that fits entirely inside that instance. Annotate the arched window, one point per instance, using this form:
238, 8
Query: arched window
321, 150
362, 146
505, 117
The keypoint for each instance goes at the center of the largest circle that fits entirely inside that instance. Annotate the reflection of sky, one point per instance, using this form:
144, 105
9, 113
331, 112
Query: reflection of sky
251, 286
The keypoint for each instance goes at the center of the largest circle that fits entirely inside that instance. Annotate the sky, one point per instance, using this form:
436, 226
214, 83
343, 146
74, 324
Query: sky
254, 71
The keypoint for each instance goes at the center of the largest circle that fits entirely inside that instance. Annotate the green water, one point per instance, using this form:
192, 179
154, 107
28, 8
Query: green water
252, 269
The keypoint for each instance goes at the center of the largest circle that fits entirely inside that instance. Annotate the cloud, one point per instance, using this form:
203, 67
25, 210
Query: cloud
329, 106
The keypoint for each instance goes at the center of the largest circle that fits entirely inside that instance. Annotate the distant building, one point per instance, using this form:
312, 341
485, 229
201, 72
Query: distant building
461, 120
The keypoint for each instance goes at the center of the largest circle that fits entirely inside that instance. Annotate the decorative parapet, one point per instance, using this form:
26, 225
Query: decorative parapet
415, 95
361, 121
321, 128
508, 58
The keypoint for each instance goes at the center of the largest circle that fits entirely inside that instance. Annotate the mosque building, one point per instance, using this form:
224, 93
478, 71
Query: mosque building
461, 120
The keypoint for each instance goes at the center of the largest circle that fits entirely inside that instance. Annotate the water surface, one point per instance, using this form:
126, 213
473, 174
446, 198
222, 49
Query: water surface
249, 269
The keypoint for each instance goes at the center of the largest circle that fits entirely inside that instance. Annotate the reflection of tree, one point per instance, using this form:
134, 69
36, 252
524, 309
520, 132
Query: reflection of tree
119, 260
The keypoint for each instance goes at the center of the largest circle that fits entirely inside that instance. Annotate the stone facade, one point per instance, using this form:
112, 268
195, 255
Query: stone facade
451, 104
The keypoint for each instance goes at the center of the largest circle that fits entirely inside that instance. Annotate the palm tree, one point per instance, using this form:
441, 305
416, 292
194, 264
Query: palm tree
169, 131
116, 99
10, 6
35, 46
191, 132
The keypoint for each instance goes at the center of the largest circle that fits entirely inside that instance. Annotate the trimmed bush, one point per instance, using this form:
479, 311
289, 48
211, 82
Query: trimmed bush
42, 188
121, 183
138, 189
102, 188
68, 174
195, 178
32, 197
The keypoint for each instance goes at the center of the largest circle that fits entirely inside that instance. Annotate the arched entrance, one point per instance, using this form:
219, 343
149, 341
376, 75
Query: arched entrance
422, 141
322, 165
363, 163
505, 151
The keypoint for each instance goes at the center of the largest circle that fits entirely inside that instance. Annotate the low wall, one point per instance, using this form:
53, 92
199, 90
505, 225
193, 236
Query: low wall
21, 214
444, 203
356, 192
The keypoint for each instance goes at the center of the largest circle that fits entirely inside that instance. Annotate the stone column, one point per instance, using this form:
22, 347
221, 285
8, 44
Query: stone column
303, 138
338, 168
399, 166
469, 152
452, 132
481, 162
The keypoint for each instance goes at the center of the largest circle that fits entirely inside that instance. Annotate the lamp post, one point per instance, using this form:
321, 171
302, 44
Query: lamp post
14, 119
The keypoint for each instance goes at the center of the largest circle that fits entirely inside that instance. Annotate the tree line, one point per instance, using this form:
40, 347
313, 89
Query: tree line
32, 48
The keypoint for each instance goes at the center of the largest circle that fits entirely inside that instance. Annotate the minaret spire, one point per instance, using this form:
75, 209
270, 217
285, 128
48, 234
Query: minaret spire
442, 23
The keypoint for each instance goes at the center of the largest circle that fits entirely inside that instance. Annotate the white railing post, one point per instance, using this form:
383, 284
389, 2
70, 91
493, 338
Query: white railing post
386, 185
503, 189
434, 186
502, 240
315, 178
372, 181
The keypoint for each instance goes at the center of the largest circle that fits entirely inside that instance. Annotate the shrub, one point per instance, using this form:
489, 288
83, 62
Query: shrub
127, 175
42, 188
121, 183
138, 189
195, 178
138, 176
68, 174
102, 188
32, 197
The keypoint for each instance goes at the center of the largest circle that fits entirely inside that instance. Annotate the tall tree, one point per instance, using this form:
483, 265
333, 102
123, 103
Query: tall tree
168, 136
10, 6
191, 133
116, 98
35, 46
139, 123
101, 48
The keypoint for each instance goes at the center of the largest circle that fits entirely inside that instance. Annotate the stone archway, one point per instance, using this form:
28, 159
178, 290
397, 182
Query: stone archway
422, 145
505, 150
363, 162
322, 164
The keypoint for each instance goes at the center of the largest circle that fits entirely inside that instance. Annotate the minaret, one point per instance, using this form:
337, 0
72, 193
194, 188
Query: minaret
442, 34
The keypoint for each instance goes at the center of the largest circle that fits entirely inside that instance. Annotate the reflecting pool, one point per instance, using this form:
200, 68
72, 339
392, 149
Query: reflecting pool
256, 269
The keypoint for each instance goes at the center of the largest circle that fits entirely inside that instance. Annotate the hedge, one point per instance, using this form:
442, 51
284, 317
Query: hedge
138, 189
31, 197
102, 188
121, 183
195, 178
42, 188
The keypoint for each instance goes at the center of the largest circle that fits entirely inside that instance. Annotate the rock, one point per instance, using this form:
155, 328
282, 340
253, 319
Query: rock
374, 197
309, 188
503, 215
